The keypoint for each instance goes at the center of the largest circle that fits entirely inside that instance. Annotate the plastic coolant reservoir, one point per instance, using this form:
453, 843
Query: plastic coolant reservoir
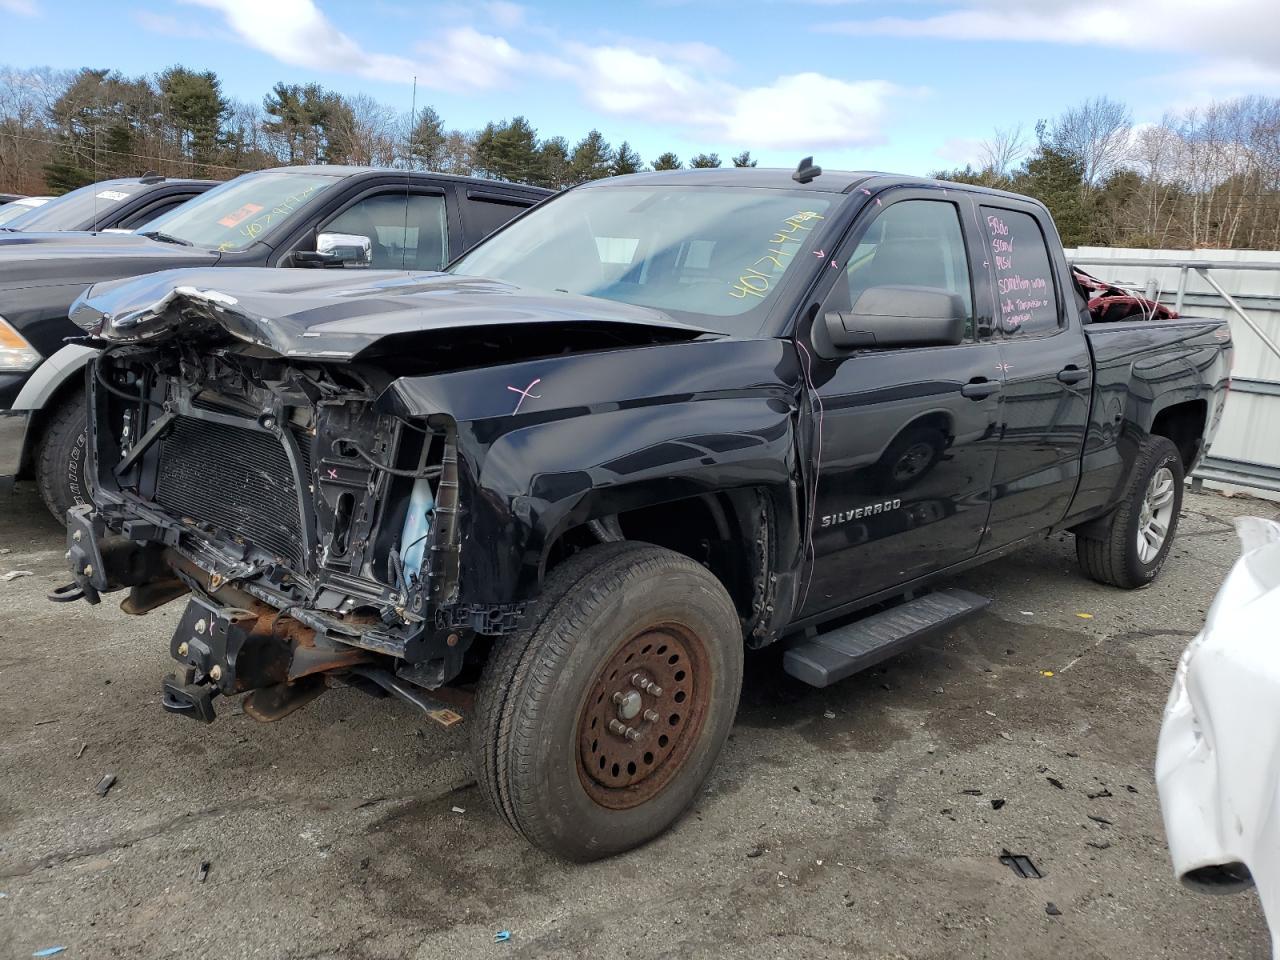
417, 524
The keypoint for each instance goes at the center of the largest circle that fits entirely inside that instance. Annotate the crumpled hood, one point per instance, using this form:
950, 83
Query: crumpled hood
41, 259
329, 314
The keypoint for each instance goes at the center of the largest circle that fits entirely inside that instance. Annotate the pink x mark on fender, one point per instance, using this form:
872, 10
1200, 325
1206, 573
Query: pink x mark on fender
525, 394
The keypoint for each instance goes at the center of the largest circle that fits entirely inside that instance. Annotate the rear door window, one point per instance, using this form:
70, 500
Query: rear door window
1026, 297
486, 215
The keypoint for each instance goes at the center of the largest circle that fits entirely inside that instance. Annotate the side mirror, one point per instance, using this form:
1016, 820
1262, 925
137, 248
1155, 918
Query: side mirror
894, 317
338, 250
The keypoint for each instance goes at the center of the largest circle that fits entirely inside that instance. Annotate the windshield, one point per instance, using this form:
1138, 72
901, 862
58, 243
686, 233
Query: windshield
712, 256
19, 208
77, 210
234, 215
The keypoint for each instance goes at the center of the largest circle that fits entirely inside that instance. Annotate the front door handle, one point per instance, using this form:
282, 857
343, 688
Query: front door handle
979, 388
1072, 374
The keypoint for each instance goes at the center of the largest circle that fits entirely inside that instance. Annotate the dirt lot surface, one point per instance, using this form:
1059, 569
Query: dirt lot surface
855, 821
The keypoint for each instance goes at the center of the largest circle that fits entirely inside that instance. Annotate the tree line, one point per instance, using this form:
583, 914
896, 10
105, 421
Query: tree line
1201, 177
60, 130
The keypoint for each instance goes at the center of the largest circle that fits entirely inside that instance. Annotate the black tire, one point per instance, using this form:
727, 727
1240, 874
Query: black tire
1116, 559
533, 736
60, 471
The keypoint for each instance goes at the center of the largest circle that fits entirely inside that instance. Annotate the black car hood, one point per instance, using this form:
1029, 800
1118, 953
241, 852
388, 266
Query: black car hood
38, 259
331, 314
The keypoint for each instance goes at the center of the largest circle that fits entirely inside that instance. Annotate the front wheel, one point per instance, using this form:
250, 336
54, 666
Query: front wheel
1143, 526
60, 471
599, 720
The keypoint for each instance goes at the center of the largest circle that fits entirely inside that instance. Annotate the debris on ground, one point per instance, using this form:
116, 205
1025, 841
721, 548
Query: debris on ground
48, 951
1021, 865
1099, 795
1046, 673
1085, 616
1100, 845
459, 810
202, 871
1056, 782
971, 792
41, 723
997, 804
1052, 910
1102, 820
756, 851
1131, 788
502, 936
15, 574
105, 784
1006, 736
81, 750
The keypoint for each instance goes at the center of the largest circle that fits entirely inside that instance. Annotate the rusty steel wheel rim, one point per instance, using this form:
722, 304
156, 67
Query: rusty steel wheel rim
642, 716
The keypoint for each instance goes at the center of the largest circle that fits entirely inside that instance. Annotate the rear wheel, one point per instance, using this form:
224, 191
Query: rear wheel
59, 457
597, 723
1143, 526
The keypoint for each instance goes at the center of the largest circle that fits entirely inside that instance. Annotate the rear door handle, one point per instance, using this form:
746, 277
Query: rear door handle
978, 388
1072, 374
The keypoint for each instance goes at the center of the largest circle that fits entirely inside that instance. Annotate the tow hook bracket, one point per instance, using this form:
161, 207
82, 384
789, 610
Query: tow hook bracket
67, 593
188, 699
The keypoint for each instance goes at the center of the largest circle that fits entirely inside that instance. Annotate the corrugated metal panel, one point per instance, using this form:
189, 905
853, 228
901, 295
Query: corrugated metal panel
1249, 437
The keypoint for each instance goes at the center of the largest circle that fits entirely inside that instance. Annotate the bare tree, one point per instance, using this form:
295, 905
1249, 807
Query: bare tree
1003, 150
1096, 133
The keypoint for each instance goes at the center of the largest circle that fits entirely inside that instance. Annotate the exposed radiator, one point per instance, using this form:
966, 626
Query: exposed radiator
235, 479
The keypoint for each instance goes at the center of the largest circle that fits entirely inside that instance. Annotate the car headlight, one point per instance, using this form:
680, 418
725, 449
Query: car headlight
16, 355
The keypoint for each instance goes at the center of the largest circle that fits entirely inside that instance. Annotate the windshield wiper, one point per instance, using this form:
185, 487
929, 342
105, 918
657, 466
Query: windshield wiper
167, 238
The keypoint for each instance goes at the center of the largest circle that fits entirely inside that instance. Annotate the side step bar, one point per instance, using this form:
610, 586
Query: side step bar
842, 652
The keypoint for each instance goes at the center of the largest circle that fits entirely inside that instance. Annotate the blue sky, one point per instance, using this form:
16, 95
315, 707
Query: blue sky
909, 86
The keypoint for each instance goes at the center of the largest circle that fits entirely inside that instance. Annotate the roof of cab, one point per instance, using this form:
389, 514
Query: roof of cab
341, 170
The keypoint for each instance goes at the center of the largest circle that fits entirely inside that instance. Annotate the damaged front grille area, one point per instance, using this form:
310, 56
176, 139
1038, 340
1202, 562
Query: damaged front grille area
237, 481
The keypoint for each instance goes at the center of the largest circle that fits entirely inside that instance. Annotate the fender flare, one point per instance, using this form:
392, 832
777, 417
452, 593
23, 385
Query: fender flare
52, 375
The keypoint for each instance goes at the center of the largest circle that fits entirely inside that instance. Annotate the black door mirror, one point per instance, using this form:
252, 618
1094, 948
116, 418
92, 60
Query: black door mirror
894, 317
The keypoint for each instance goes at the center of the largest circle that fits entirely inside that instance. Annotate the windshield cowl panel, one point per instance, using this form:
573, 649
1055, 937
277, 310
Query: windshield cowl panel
713, 257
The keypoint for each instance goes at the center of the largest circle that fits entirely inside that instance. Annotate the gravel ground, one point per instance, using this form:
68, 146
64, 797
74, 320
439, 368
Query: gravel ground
860, 820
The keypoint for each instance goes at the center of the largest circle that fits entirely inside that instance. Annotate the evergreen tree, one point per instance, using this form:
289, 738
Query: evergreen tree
744, 159
591, 159
705, 161
195, 107
1057, 180
509, 151
626, 161
668, 161
427, 140
554, 155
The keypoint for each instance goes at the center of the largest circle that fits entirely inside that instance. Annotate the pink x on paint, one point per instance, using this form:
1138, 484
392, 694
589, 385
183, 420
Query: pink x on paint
525, 394
333, 473
1002, 367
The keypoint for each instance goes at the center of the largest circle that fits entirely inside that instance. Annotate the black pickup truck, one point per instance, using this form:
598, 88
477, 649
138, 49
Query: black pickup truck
658, 420
318, 216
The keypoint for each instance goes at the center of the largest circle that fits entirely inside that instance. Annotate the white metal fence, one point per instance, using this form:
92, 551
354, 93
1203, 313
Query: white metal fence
1242, 287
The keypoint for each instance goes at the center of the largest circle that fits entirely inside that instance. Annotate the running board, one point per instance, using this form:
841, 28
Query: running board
842, 652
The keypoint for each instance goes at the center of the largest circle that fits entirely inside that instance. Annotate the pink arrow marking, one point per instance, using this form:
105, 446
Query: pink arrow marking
819, 254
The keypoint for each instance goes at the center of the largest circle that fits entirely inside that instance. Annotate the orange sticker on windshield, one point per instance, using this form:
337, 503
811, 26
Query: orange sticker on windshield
248, 210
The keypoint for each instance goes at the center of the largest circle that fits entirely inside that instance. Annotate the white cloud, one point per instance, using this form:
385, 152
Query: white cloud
23, 8
799, 111
959, 151
675, 84
1230, 34
297, 33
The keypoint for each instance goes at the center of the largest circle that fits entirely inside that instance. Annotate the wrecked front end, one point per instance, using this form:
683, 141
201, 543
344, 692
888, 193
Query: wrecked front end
314, 536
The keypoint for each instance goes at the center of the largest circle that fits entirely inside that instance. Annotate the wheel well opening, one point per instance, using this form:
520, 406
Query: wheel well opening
1183, 424
708, 529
